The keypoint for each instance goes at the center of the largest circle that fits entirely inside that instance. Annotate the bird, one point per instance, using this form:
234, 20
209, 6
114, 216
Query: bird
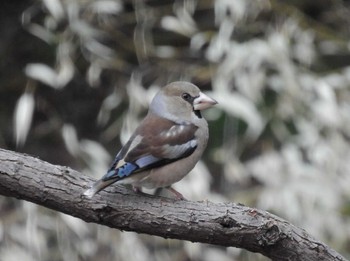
166, 145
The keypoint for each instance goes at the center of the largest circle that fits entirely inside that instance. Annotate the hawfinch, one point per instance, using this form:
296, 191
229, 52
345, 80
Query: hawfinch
167, 144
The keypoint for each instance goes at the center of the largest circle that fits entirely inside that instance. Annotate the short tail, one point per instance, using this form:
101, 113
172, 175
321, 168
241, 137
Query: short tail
113, 175
98, 186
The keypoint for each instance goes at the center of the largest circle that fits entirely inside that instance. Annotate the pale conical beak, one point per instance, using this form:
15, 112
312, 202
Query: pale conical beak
203, 102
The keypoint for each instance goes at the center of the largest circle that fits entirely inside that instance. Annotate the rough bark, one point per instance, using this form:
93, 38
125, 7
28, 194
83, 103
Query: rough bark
225, 224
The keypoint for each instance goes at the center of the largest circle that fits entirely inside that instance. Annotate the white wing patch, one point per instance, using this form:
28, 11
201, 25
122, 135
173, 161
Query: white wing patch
173, 131
176, 151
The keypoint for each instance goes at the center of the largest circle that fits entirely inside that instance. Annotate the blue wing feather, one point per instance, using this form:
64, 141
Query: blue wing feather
143, 163
146, 161
122, 172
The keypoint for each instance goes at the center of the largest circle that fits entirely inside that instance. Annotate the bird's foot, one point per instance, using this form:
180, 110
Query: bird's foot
177, 194
137, 189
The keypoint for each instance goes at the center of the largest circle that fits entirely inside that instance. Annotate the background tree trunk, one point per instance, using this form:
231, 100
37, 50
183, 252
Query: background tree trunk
224, 224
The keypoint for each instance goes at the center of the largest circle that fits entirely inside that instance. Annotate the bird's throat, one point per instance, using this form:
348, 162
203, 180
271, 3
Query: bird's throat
198, 113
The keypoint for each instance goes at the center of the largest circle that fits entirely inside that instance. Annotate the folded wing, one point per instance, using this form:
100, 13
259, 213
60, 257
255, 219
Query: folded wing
155, 143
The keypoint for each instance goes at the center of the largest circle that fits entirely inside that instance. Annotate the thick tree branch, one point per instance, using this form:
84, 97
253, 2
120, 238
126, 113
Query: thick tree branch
225, 224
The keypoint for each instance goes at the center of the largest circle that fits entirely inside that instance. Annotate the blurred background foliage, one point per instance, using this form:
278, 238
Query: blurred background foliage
76, 77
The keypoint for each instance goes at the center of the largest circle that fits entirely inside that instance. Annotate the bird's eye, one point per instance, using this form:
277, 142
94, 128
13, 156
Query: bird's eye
186, 96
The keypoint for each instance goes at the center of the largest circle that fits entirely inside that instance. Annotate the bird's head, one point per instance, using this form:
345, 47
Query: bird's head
180, 101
